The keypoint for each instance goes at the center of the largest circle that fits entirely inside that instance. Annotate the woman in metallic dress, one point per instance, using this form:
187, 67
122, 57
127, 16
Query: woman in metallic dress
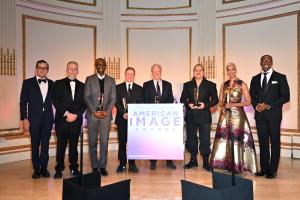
234, 95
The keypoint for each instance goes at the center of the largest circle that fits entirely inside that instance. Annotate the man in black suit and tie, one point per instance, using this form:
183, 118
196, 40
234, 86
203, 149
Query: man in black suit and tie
37, 115
198, 96
269, 90
158, 91
99, 97
69, 104
127, 92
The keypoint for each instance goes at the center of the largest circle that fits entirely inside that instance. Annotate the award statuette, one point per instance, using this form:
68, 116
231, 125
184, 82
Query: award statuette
125, 105
226, 101
156, 99
196, 97
100, 100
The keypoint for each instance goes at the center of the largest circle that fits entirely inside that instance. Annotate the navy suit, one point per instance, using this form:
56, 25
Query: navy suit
149, 93
40, 116
268, 122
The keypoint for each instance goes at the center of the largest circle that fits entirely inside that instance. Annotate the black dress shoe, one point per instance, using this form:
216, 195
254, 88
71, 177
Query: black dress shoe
75, 172
36, 174
45, 173
95, 169
170, 164
133, 168
260, 173
103, 172
271, 175
153, 166
120, 168
191, 164
58, 174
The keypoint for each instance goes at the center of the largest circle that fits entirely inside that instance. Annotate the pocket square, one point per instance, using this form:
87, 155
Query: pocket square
274, 82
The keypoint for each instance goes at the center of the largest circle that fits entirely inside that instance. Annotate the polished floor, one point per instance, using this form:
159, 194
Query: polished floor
161, 184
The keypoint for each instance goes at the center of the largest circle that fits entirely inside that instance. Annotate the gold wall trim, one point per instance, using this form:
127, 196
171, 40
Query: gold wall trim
159, 29
94, 3
225, 25
230, 1
27, 17
7, 62
162, 8
162, 21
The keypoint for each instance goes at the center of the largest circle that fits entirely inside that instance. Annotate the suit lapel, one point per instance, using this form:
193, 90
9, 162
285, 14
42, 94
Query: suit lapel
68, 88
76, 89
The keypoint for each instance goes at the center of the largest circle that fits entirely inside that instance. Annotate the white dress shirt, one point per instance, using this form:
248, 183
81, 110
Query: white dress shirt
269, 73
43, 87
160, 85
72, 85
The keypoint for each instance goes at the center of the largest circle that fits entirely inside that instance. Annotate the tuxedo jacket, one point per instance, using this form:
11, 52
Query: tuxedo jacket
275, 94
92, 92
32, 106
63, 101
207, 94
149, 92
135, 97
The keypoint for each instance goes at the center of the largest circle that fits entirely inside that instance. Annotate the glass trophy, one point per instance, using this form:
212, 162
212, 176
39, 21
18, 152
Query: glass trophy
156, 99
226, 101
100, 100
125, 105
196, 97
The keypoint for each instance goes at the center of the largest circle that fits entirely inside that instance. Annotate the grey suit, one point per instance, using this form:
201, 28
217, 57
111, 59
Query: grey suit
91, 94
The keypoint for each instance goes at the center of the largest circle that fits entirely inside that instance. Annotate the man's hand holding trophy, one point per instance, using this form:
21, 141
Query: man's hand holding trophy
100, 113
196, 103
125, 105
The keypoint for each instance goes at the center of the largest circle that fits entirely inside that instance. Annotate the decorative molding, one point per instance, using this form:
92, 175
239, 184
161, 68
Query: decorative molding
27, 17
230, 1
161, 28
162, 8
209, 65
7, 62
298, 54
59, 10
94, 3
113, 67
257, 10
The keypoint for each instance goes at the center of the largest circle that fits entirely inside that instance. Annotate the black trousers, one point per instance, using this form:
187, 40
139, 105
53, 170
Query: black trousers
67, 133
269, 130
122, 139
191, 142
40, 136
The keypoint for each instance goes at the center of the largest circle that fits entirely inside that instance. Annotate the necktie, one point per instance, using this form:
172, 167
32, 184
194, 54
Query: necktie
264, 83
129, 90
71, 80
158, 89
42, 80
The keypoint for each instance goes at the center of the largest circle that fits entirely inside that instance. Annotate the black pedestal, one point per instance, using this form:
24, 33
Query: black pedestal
222, 189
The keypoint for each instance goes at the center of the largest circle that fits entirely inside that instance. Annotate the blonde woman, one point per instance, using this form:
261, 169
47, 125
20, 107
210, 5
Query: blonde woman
234, 95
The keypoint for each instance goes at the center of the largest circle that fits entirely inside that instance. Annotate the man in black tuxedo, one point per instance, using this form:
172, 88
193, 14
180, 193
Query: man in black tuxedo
69, 104
269, 90
37, 115
158, 91
198, 96
127, 92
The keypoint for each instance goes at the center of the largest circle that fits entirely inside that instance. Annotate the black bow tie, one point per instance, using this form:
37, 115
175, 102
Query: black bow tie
42, 80
71, 80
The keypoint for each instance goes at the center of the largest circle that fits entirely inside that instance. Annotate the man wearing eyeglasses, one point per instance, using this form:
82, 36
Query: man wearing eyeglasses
37, 116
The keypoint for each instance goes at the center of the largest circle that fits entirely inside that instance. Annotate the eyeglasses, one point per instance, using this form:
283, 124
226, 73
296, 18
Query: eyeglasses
42, 68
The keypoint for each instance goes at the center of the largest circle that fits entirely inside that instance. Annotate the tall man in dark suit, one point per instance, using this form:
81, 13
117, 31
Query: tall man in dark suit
198, 96
127, 92
69, 104
269, 90
158, 91
37, 115
100, 97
